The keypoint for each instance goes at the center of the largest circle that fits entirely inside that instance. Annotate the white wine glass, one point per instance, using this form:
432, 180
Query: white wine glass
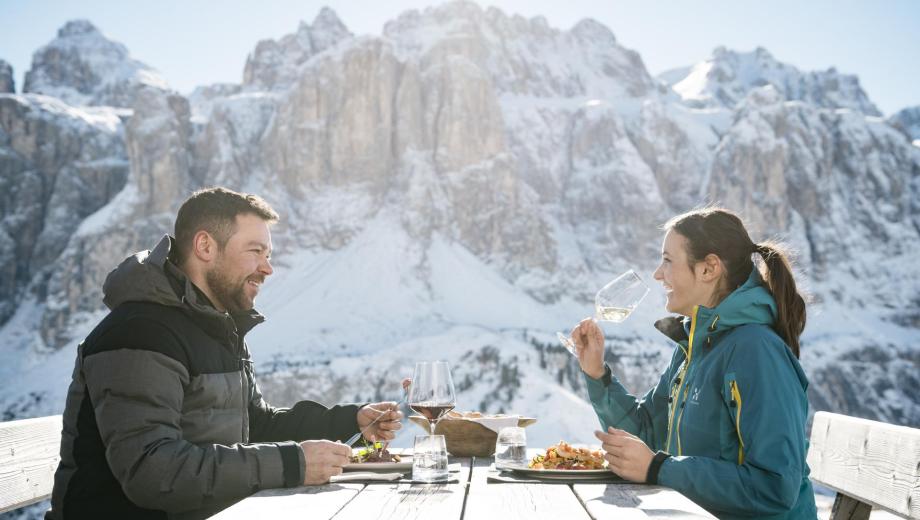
614, 302
431, 392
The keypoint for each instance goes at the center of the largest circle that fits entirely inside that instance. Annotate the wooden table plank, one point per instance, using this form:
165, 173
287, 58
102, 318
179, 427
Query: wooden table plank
301, 502
408, 501
635, 501
524, 501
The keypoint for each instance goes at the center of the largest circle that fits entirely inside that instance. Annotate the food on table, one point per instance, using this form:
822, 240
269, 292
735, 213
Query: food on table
463, 415
566, 456
374, 453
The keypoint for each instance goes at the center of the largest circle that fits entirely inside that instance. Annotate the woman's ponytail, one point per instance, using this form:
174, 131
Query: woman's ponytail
790, 321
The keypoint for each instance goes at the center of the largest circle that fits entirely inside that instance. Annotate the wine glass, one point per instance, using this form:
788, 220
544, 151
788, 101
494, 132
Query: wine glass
614, 302
431, 393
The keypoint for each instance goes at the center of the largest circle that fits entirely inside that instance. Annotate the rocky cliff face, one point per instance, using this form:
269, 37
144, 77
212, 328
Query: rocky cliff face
7, 83
274, 64
459, 187
58, 165
908, 121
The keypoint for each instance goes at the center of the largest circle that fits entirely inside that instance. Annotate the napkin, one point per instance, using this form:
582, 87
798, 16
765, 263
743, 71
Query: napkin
496, 423
361, 476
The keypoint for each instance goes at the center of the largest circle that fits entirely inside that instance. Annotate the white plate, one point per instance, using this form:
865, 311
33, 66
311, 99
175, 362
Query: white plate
576, 474
404, 464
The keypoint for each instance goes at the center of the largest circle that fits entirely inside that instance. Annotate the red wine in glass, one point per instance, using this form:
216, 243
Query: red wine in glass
432, 391
432, 412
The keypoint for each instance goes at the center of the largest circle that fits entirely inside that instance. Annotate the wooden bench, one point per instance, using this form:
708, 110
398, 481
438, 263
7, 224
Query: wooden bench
29, 455
868, 463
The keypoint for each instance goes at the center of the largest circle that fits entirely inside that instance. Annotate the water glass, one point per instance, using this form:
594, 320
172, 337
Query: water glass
511, 447
429, 459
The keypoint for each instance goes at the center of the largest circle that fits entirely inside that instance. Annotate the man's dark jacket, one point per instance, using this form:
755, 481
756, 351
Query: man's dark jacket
164, 418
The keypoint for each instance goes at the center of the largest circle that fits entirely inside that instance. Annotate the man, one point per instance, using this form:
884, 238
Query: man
164, 418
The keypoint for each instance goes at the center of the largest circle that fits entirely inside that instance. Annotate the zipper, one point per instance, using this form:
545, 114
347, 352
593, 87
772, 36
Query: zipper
736, 404
244, 400
682, 385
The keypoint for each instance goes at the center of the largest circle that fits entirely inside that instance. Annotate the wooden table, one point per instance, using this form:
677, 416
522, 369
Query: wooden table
471, 498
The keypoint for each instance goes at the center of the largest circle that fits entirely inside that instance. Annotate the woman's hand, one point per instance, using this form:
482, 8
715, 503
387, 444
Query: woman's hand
626, 454
589, 344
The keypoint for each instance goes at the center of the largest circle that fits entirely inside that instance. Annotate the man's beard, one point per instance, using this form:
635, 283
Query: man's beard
229, 293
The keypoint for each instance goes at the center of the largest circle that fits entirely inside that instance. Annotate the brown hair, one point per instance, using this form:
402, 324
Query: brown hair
214, 210
720, 232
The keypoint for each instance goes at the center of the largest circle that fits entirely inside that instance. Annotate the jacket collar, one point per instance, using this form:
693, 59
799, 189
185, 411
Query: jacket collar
749, 303
152, 277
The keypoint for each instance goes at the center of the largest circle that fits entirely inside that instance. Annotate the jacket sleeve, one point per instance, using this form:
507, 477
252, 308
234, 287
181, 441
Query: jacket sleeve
773, 411
646, 417
137, 398
306, 420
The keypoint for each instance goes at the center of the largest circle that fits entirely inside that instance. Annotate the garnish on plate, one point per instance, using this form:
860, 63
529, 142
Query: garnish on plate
376, 452
565, 456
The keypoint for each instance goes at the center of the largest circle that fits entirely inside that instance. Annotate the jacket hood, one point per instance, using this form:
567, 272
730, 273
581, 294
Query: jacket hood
751, 303
142, 278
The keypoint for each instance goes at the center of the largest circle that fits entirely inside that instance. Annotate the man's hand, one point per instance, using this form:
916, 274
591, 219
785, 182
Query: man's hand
384, 427
589, 344
626, 454
324, 459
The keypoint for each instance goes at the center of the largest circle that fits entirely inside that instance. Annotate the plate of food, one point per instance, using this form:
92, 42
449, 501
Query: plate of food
376, 457
564, 461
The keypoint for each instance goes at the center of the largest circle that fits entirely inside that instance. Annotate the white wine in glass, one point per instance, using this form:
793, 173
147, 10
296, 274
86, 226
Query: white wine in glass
614, 302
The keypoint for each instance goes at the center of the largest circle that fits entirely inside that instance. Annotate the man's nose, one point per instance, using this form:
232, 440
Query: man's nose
266, 267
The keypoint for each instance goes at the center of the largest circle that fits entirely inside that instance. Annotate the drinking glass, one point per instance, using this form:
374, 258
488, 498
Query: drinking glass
431, 392
429, 459
511, 447
614, 302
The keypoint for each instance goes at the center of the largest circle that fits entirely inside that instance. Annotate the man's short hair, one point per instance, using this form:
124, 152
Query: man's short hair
214, 210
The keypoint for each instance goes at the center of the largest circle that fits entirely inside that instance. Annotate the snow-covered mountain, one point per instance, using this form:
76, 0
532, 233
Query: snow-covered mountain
727, 77
457, 188
83, 67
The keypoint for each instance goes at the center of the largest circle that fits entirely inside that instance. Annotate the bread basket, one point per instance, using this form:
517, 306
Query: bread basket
465, 437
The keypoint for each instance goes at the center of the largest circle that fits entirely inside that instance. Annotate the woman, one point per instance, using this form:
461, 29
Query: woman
728, 414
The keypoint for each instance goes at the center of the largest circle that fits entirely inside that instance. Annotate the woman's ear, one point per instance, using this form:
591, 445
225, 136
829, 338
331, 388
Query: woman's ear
711, 268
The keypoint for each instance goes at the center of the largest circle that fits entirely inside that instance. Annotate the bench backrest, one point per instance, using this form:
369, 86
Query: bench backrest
29, 455
875, 463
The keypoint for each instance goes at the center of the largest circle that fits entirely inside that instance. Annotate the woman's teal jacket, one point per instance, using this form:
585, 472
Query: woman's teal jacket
730, 409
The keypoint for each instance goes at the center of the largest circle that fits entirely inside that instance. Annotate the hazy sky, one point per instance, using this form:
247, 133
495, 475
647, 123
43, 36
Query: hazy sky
198, 42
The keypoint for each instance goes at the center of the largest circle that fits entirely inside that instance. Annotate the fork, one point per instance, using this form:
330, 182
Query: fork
354, 438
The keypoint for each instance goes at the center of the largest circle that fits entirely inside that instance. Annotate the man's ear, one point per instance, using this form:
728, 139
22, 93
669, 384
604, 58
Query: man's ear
711, 268
204, 247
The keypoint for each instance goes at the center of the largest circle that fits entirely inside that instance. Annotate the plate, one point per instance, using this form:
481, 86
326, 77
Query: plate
405, 464
561, 474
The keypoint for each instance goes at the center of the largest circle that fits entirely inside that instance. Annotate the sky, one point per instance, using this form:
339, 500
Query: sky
197, 42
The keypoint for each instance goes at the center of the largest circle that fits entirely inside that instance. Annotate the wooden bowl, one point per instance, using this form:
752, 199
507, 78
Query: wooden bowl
466, 438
